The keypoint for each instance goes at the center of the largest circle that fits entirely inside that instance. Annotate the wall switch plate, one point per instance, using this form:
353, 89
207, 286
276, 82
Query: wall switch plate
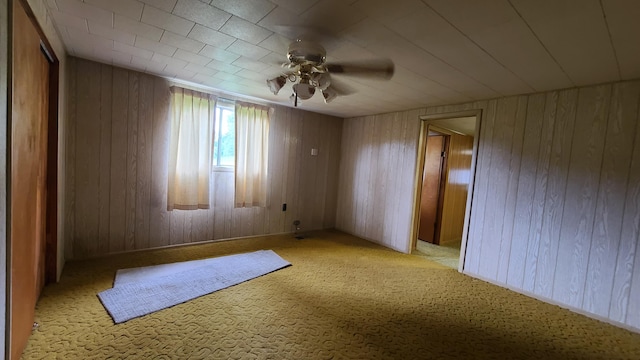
314, 152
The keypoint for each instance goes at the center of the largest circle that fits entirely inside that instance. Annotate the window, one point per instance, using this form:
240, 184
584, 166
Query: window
224, 142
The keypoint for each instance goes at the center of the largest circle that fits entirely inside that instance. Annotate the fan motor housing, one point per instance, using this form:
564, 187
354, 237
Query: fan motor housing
301, 52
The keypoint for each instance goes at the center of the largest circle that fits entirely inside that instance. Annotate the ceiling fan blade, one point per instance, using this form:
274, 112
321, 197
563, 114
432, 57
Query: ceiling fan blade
341, 88
380, 68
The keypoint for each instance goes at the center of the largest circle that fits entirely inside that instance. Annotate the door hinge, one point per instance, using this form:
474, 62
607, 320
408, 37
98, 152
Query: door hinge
443, 154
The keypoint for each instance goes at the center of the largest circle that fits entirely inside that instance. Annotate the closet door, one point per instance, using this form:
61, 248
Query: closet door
30, 84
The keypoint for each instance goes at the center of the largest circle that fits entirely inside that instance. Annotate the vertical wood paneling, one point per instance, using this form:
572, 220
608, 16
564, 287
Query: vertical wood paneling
143, 166
158, 215
104, 187
581, 194
132, 161
556, 201
554, 198
611, 198
526, 189
70, 160
476, 226
333, 149
515, 157
120, 113
121, 157
87, 158
499, 175
623, 300
540, 191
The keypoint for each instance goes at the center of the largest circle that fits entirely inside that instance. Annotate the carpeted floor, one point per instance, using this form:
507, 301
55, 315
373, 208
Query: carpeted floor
446, 254
343, 298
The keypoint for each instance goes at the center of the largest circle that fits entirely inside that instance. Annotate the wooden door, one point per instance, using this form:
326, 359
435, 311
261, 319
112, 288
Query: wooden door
30, 87
431, 185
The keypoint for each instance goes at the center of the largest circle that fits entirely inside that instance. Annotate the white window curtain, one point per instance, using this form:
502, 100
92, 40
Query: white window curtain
252, 154
192, 120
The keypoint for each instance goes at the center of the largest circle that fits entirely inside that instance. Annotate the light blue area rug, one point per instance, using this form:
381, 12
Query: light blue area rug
140, 291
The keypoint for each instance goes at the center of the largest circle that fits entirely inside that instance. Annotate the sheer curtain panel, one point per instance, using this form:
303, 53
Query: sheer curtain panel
252, 154
192, 120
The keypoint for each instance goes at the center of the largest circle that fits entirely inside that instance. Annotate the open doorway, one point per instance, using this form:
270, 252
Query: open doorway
448, 145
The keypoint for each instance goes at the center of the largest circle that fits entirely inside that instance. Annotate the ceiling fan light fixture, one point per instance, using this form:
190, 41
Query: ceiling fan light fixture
304, 90
321, 79
329, 94
276, 84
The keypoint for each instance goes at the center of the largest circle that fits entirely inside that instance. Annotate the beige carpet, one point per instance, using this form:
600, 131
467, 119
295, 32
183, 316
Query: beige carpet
446, 254
343, 298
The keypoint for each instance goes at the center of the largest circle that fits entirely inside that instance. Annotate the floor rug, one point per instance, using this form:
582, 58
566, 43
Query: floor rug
140, 291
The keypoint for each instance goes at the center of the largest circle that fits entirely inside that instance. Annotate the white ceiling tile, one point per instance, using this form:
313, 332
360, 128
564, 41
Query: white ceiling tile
210, 36
124, 23
623, 19
111, 33
244, 30
80, 9
274, 59
386, 11
276, 43
226, 76
245, 49
132, 50
129, 8
166, 5
223, 66
409, 55
365, 32
181, 42
280, 20
416, 82
208, 80
168, 60
250, 64
498, 29
331, 16
191, 57
148, 65
69, 20
435, 35
575, 33
112, 55
155, 46
86, 40
165, 20
199, 69
178, 72
218, 54
201, 13
478, 42
251, 10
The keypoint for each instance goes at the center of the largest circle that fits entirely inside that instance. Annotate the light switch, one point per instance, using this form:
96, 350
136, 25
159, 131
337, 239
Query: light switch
314, 152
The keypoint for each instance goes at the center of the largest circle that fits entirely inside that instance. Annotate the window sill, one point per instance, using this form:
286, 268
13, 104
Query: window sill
223, 169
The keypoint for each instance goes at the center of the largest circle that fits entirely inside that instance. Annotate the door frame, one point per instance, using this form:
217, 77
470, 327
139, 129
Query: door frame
425, 122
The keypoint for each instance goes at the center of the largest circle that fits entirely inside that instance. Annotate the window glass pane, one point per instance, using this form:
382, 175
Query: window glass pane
227, 139
224, 139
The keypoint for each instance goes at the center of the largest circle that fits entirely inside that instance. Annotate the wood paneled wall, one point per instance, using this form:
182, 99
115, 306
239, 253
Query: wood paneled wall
556, 201
117, 170
377, 169
455, 192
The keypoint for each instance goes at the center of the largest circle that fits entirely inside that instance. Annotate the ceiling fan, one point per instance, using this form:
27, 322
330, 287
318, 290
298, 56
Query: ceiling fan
309, 71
